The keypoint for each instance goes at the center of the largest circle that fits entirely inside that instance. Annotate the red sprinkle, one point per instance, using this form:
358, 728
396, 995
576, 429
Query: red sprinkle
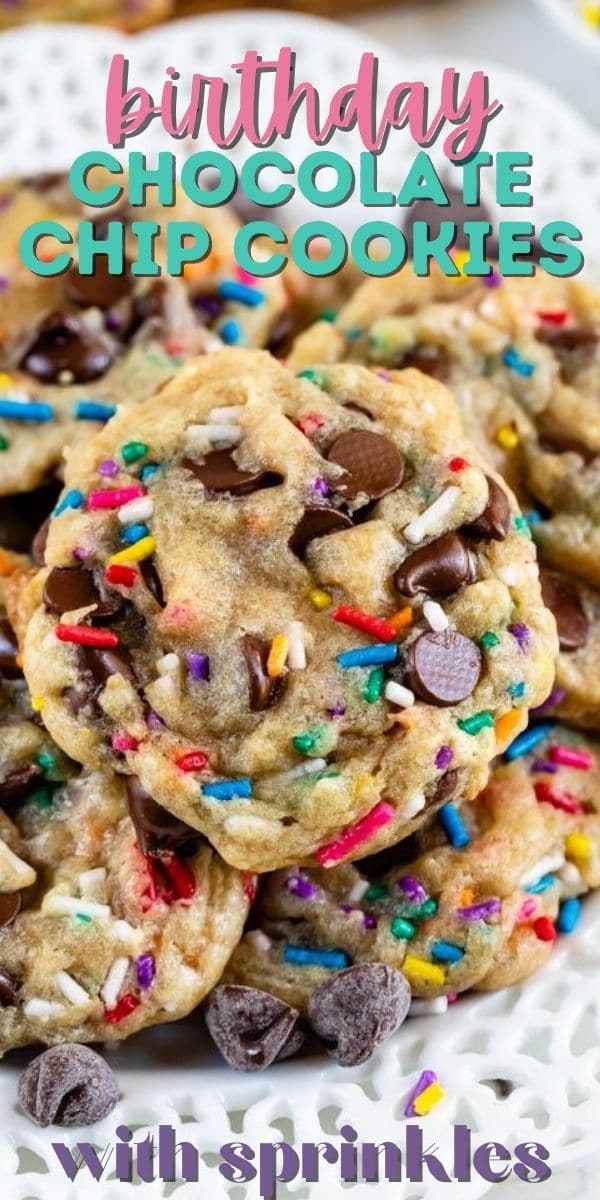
196, 760
85, 635
122, 742
180, 876
458, 464
546, 794
310, 423
115, 573
250, 885
114, 497
360, 620
127, 1004
544, 929
555, 318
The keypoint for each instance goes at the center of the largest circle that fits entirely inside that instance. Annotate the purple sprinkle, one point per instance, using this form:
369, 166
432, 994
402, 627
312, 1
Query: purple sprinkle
492, 280
347, 908
209, 306
113, 320
556, 696
521, 634
542, 765
81, 553
145, 968
199, 666
443, 758
412, 887
478, 912
109, 468
426, 1078
153, 721
369, 921
383, 375
337, 710
321, 486
298, 886
3, 283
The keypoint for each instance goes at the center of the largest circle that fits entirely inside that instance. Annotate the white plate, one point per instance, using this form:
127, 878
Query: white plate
567, 14
543, 1037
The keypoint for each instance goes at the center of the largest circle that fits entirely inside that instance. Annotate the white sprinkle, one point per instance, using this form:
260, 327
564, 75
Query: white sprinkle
430, 520
550, 862
435, 616
516, 574
123, 931
357, 891
488, 308
428, 1008
42, 1010
167, 664
114, 981
297, 651
71, 989
88, 881
140, 509
571, 876
66, 377
415, 805
239, 826
396, 693
311, 767
258, 941
225, 414
57, 905
204, 437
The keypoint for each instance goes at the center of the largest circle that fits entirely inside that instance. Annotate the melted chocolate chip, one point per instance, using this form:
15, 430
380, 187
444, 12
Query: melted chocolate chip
9, 989
39, 543
63, 345
220, 473
251, 1028
438, 569
101, 664
264, 690
69, 588
99, 290
443, 668
357, 1009
9, 668
494, 521
152, 580
317, 521
560, 596
372, 464
19, 784
68, 1085
158, 831
10, 907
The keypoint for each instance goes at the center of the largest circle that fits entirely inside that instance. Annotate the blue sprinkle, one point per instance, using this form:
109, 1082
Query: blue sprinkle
542, 885
229, 289
533, 517
133, 533
148, 472
228, 789
73, 499
300, 956
526, 741
568, 915
26, 410
230, 333
512, 359
516, 690
91, 410
367, 656
354, 333
454, 826
446, 952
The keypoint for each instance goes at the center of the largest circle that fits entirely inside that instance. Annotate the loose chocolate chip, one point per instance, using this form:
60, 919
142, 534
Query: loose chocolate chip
264, 689
494, 521
68, 1085
561, 597
437, 569
9, 668
220, 473
372, 464
152, 580
69, 588
251, 1028
358, 1009
19, 784
443, 668
317, 521
9, 989
157, 831
280, 332
10, 907
103, 663
38, 545
63, 346
99, 290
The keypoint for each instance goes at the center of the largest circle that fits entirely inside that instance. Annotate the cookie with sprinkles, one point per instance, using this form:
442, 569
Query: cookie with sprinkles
475, 900
298, 609
73, 347
575, 697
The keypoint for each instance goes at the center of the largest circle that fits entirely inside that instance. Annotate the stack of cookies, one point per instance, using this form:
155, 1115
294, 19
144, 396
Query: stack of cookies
286, 719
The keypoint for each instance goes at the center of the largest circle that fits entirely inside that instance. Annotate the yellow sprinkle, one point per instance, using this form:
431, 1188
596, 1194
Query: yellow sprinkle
278, 655
460, 259
5, 380
591, 13
402, 619
142, 549
507, 437
319, 599
418, 968
506, 724
425, 1101
37, 703
578, 846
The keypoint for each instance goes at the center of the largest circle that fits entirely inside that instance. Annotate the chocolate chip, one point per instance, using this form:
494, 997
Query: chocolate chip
78, 699
445, 788
220, 473
561, 597
99, 290
280, 332
557, 440
432, 214
39, 543
494, 521
9, 989
358, 1009
152, 580
157, 831
568, 341
264, 689
9, 668
68, 1085
69, 588
10, 907
428, 359
437, 569
22, 514
19, 784
317, 521
63, 345
372, 464
103, 663
251, 1028
443, 668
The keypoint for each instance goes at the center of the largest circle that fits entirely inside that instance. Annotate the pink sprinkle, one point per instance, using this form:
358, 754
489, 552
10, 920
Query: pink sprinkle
452, 997
383, 375
526, 911
356, 834
246, 277
81, 553
114, 497
425, 1080
108, 468
582, 760
121, 742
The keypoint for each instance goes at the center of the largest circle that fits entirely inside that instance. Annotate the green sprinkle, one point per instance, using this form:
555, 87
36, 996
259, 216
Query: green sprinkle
374, 686
428, 908
400, 928
313, 375
43, 797
377, 891
328, 315
46, 760
4, 442
83, 917
131, 452
474, 724
305, 743
521, 525
489, 639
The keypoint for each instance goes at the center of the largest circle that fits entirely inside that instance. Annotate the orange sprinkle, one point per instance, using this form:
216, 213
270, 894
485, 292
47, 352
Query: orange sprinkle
278, 655
467, 897
507, 723
402, 619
